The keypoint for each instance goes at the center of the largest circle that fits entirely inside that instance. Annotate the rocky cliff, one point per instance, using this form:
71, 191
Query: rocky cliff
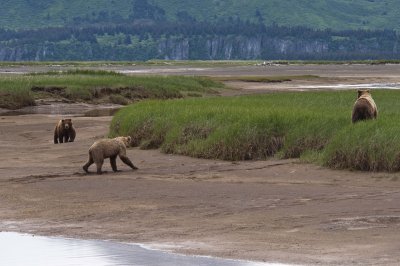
207, 48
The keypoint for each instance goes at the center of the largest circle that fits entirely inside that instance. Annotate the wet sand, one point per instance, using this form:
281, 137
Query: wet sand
274, 211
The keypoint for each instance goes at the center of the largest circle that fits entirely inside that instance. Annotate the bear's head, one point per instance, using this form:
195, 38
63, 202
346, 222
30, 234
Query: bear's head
363, 93
126, 140
66, 123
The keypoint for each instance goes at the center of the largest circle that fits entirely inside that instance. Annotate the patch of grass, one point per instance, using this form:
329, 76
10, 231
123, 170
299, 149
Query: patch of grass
15, 98
77, 72
98, 86
367, 146
315, 126
237, 128
15, 93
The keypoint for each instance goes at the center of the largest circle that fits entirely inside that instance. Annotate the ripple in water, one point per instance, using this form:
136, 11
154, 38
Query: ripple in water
28, 250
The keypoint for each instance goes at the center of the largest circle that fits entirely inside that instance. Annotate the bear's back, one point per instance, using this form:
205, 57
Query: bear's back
107, 147
368, 99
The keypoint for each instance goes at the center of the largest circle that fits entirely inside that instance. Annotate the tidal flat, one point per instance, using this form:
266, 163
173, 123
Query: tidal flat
270, 210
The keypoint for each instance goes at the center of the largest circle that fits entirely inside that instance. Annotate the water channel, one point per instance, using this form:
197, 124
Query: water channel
30, 250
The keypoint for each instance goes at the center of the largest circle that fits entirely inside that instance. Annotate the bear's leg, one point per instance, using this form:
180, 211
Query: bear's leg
55, 138
60, 139
66, 137
113, 162
359, 114
99, 164
127, 161
89, 163
72, 136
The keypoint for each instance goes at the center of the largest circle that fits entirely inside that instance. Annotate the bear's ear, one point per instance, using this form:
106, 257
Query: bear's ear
62, 120
129, 139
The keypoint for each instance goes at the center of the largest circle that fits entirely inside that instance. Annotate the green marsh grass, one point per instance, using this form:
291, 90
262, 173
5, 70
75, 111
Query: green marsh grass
15, 93
315, 126
89, 85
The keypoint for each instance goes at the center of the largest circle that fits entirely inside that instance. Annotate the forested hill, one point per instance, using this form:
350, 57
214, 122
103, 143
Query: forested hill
45, 30
335, 14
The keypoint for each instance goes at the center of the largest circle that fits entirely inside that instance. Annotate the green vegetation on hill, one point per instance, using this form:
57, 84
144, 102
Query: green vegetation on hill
140, 30
315, 126
336, 14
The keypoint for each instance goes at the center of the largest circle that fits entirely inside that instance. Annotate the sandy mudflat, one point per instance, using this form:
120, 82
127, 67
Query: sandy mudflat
273, 210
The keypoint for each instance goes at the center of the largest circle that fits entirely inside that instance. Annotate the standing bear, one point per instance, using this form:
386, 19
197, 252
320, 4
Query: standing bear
64, 131
109, 148
364, 107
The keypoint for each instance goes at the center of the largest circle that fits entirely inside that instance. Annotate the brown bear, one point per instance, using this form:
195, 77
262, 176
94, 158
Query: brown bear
364, 107
109, 148
64, 131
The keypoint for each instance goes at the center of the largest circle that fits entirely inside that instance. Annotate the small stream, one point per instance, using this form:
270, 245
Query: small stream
65, 109
30, 250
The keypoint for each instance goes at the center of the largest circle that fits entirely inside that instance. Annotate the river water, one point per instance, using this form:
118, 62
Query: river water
30, 250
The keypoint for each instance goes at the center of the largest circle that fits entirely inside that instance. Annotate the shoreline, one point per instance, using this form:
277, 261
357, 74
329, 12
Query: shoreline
65, 250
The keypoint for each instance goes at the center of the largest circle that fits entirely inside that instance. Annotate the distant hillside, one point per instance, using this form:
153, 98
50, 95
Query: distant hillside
335, 14
46, 30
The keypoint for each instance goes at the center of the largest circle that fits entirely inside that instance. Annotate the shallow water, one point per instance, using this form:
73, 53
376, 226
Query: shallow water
394, 86
29, 250
66, 109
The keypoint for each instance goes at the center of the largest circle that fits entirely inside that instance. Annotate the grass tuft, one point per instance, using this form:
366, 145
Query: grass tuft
366, 146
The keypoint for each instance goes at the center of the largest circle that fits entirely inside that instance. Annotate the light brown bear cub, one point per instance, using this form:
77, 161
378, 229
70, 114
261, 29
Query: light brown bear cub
109, 148
364, 107
64, 131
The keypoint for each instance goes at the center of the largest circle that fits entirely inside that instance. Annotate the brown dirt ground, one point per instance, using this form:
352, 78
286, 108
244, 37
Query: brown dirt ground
276, 210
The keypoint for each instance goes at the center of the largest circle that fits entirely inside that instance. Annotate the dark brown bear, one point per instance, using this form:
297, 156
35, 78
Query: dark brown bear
364, 107
109, 148
64, 131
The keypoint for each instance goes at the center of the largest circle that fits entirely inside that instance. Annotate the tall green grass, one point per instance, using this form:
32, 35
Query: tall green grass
286, 125
89, 85
366, 146
15, 93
